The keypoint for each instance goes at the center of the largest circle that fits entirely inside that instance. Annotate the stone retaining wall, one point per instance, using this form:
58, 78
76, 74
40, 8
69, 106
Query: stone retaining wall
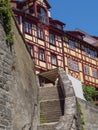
90, 115
18, 84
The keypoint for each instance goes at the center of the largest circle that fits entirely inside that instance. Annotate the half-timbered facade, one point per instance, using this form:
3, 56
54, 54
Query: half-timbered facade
42, 33
51, 46
80, 56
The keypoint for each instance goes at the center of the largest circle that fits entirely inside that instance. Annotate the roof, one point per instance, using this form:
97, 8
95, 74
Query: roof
92, 40
48, 5
57, 21
51, 75
95, 37
24, 1
75, 33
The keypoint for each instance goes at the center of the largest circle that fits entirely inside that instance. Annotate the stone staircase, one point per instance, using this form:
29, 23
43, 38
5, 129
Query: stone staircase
51, 107
50, 111
50, 93
47, 126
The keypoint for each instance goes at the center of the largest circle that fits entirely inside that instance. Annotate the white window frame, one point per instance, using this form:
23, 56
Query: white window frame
86, 70
86, 50
40, 33
73, 65
54, 59
95, 73
76, 67
30, 49
42, 14
27, 27
41, 54
72, 44
51, 39
93, 54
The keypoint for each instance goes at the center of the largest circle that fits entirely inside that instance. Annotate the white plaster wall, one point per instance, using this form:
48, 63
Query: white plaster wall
77, 85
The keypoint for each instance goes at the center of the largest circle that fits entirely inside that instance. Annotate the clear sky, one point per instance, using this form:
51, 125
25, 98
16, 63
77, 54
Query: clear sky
82, 14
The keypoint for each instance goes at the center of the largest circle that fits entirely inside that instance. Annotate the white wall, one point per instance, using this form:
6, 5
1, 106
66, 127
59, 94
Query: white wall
77, 85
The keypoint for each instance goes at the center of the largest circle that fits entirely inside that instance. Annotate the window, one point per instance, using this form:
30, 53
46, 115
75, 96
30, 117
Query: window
80, 37
86, 50
93, 54
72, 44
42, 15
31, 9
30, 49
41, 54
54, 59
77, 45
94, 73
40, 33
59, 26
27, 27
76, 67
58, 38
73, 65
86, 70
51, 38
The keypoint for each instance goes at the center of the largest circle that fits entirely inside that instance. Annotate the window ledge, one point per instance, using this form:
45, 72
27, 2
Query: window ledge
52, 44
42, 60
41, 39
28, 33
54, 64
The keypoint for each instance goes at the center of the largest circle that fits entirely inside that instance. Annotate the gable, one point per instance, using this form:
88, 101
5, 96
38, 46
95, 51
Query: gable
43, 3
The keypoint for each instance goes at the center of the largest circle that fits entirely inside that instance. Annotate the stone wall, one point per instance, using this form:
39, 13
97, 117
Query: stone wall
90, 115
5, 83
18, 85
74, 108
70, 120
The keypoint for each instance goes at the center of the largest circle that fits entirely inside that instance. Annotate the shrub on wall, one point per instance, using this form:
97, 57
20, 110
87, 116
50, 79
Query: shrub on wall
90, 92
5, 18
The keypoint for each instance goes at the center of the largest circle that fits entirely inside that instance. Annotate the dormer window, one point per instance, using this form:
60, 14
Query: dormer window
72, 44
93, 54
42, 15
31, 9
86, 51
59, 26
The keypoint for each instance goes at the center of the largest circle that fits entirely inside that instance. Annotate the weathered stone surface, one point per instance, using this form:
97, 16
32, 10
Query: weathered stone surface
70, 106
70, 119
90, 115
18, 85
2, 127
47, 126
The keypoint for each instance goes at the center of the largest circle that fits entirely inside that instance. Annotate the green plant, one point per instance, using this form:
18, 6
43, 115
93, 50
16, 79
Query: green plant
42, 120
90, 92
5, 18
42, 117
81, 116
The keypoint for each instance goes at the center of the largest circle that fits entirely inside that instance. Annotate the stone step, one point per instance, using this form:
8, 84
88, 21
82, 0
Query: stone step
47, 93
50, 111
47, 126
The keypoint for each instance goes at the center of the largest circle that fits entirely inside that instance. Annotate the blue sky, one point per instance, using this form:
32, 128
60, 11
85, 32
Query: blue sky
82, 14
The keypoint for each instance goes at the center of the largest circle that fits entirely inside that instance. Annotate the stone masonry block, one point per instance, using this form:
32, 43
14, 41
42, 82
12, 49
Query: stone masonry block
69, 91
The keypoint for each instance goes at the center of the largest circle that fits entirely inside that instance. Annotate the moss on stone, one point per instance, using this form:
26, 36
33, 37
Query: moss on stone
81, 116
5, 18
